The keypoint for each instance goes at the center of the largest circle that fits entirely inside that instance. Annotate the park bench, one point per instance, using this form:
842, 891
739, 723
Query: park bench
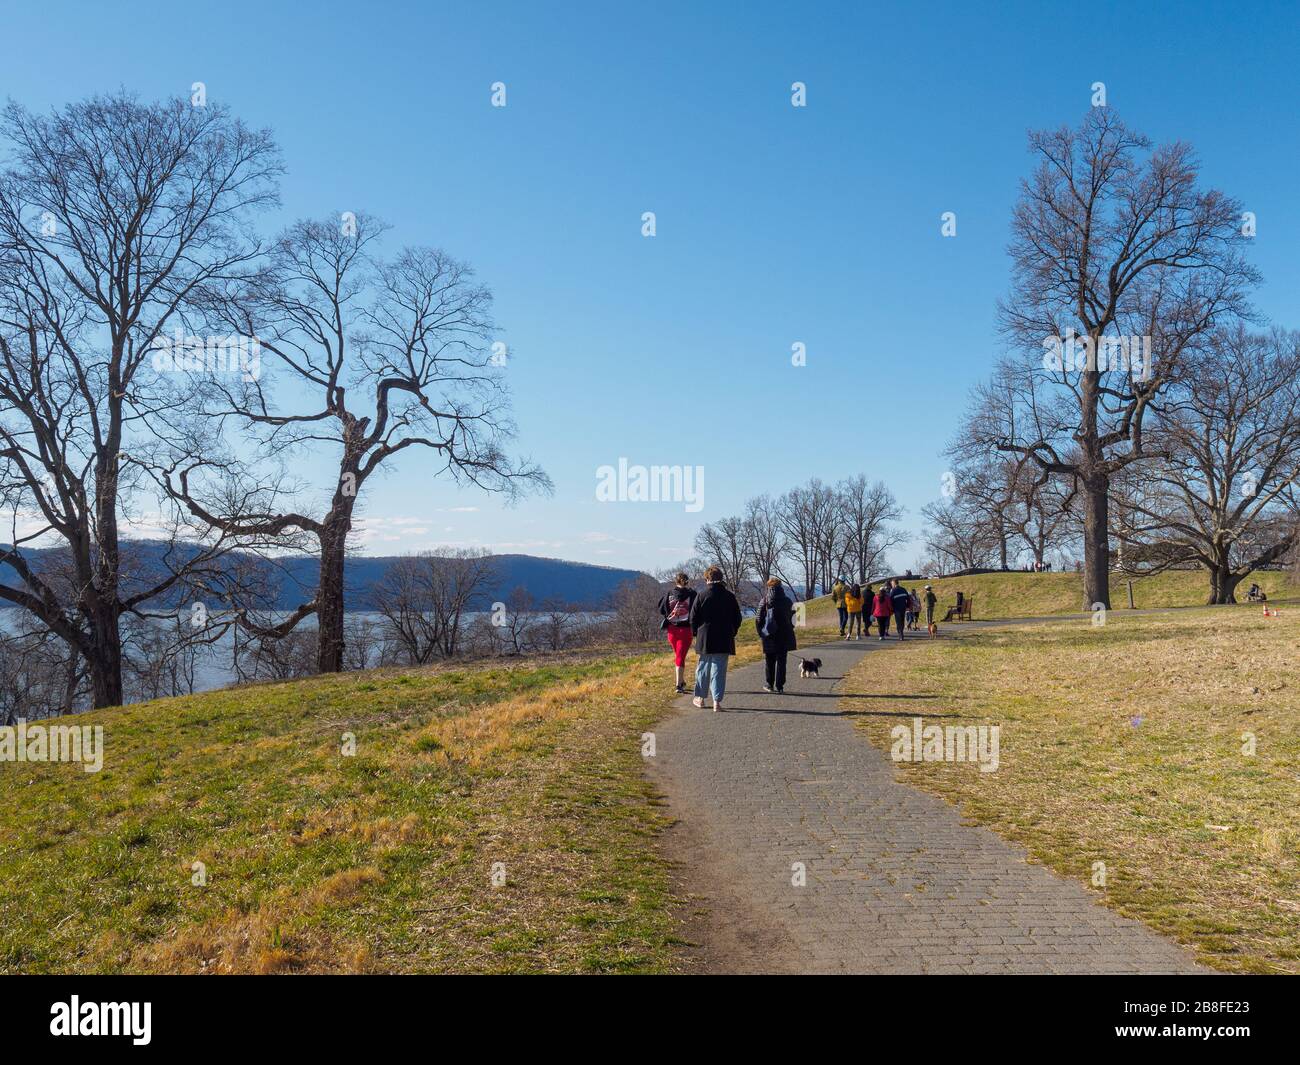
960, 612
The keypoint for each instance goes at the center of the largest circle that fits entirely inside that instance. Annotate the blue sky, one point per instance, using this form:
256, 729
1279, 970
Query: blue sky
775, 224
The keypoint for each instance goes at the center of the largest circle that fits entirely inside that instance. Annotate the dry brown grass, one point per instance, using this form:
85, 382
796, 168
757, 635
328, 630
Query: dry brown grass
1124, 744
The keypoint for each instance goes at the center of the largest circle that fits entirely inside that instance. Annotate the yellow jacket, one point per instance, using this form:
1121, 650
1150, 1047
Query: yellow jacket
852, 603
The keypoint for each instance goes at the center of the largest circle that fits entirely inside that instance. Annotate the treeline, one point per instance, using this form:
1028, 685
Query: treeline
162, 356
806, 537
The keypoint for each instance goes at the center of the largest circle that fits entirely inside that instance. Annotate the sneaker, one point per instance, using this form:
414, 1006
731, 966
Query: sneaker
717, 707
680, 689
780, 691
698, 702
768, 688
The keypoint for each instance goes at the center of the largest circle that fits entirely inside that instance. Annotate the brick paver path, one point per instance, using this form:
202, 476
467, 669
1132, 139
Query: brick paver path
895, 881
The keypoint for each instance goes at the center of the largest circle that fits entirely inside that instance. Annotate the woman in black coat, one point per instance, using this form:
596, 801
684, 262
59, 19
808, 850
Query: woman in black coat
775, 623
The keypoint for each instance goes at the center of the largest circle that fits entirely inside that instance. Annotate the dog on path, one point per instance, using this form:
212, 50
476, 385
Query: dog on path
808, 667
934, 628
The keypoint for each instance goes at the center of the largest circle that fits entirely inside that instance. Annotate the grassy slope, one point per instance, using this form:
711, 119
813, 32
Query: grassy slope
1081, 782
1012, 595
381, 861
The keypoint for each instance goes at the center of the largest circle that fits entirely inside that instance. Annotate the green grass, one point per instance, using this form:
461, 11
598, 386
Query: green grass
1022, 595
380, 861
1126, 744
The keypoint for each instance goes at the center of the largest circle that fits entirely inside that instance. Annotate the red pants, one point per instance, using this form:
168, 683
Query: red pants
679, 636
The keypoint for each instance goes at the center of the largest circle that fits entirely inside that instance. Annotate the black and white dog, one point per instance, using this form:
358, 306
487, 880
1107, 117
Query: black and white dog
808, 667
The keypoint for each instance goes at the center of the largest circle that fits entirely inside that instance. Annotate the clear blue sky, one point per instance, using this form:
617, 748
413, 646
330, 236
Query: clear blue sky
775, 224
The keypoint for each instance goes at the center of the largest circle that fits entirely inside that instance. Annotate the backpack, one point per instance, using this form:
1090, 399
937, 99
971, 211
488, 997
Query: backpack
679, 611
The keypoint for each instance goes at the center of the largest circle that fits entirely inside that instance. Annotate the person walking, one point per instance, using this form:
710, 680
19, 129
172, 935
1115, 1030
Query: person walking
715, 620
837, 597
675, 609
775, 623
882, 609
930, 601
853, 604
899, 597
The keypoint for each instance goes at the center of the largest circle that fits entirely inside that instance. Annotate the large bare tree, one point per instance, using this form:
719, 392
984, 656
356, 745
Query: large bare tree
1222, 492
1113, 242
115, 217
378, 357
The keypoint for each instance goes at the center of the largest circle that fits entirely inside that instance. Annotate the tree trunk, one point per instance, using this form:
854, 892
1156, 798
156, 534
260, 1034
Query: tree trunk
1223, 582
106, 662
329, 598
1096, 541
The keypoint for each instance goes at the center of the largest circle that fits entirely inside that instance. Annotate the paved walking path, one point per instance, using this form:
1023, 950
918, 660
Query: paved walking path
895, 882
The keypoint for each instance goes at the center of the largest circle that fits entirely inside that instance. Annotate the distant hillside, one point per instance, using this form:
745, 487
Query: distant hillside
576, 584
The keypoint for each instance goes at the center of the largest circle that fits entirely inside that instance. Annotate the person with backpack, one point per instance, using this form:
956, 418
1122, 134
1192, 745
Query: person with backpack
775, 623
715, 620
882, 609
899, 598
853, 605
675, 609
837, 597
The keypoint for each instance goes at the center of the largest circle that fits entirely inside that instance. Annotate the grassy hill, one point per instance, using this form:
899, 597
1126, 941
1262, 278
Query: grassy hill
1010, 595
383, 860
320, 861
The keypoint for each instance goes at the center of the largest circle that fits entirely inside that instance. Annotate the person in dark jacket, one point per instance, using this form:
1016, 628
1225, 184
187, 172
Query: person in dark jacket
775, 623
675, 609
715, 620
900, 599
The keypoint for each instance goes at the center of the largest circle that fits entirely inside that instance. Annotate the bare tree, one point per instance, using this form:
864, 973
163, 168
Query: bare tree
764, 539
726, 543
955, 535
1222, 493
868, 512
114, 217
390, 356
1113, 246
425, 600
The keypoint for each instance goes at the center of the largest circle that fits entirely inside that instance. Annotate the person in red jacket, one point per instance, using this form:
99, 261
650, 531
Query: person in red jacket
882, 609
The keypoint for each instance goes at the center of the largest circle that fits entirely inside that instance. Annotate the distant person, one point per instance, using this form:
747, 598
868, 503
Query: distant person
1256, 595
675, 609
882, 609
931, 600
913, 611
715, 620
837, 597
853, 605
899, 597
775, 623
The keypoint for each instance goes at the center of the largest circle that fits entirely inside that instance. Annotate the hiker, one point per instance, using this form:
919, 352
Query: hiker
913, 611
882, 609
837, 597
930, 601
675, 609
715, 620
853, 604
899, 597
775, 623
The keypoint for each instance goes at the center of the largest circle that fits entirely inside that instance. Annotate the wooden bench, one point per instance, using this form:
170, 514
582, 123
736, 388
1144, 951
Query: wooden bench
962, 611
